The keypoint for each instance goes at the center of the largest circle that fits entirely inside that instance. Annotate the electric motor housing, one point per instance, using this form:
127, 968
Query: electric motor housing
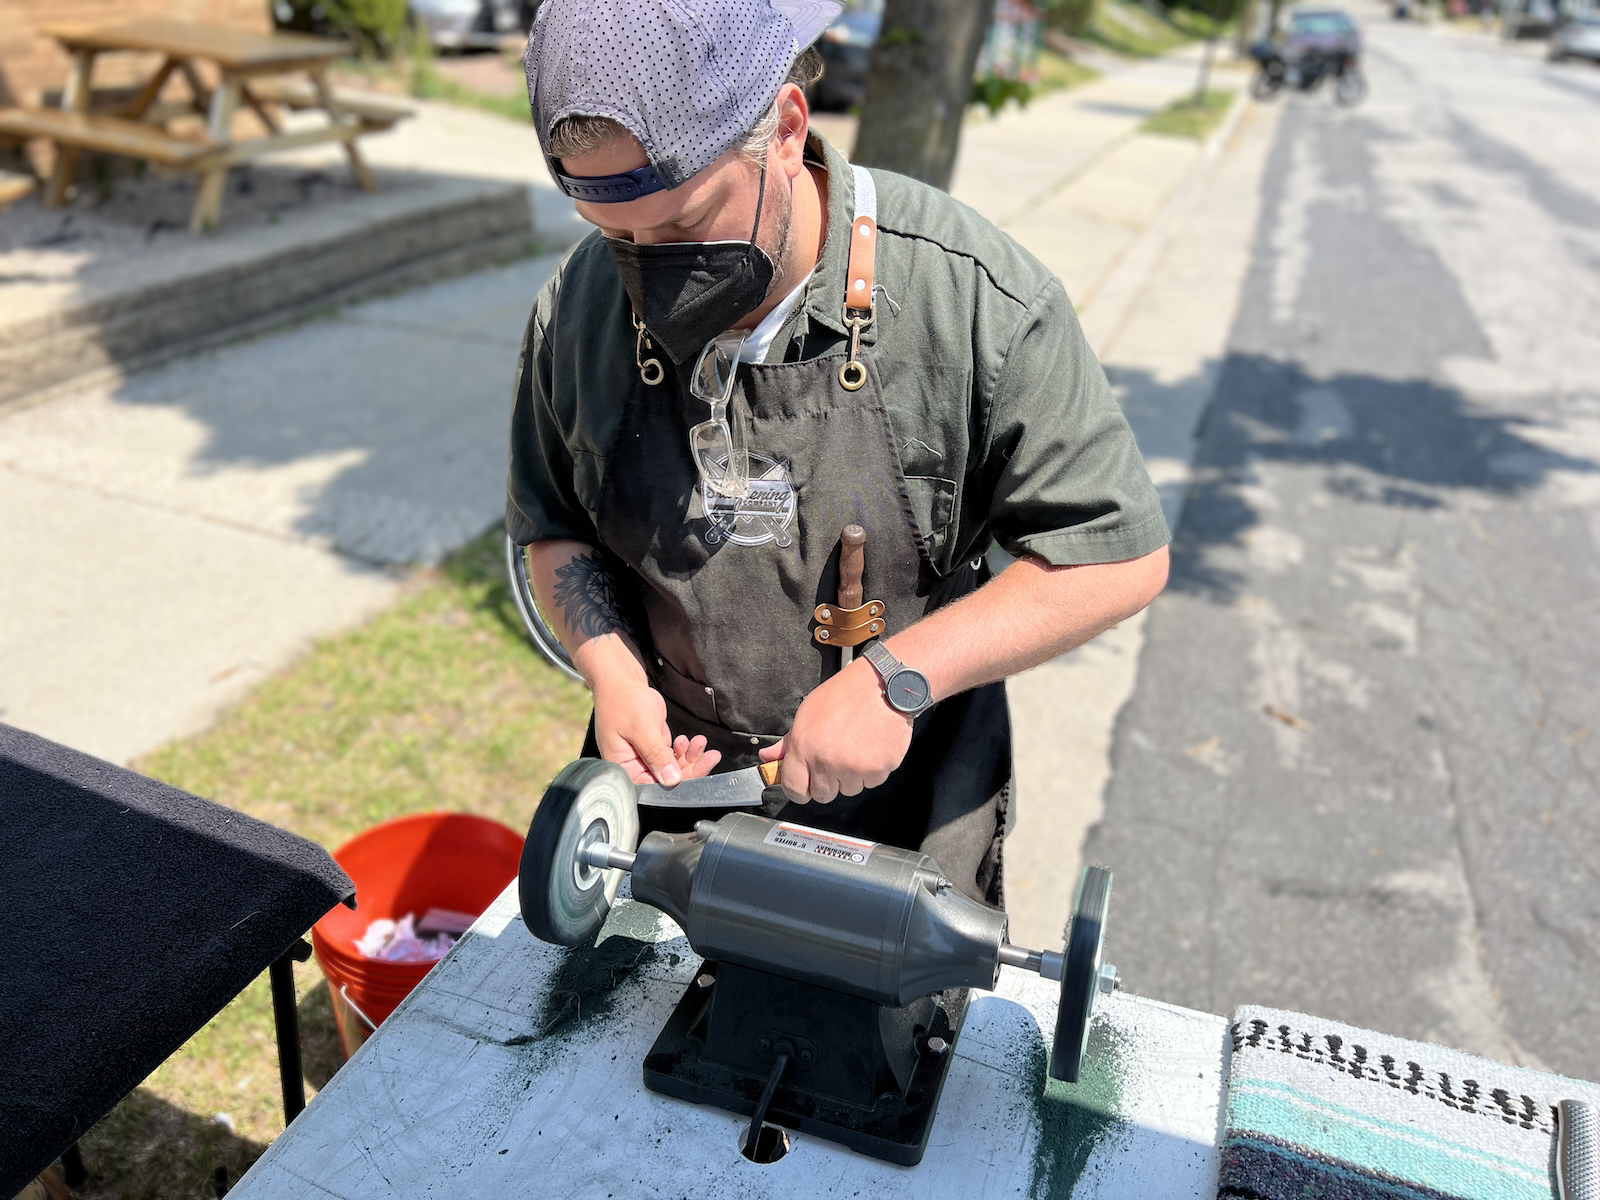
855, 916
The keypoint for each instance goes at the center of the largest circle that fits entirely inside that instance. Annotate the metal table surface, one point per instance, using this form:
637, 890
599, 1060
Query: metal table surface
514, 1070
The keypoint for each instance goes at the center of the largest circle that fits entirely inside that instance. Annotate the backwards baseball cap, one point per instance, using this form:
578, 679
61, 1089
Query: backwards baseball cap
688, 78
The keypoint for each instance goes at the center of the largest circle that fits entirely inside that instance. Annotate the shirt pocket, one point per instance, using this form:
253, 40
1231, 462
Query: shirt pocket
697, 699
933, 504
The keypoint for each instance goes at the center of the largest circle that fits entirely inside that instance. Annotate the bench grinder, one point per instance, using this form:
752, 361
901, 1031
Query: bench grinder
837, 970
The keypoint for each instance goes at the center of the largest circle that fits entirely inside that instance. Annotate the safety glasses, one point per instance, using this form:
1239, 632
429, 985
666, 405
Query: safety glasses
718, 445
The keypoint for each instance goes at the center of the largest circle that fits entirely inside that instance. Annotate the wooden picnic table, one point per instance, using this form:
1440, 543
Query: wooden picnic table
251, 70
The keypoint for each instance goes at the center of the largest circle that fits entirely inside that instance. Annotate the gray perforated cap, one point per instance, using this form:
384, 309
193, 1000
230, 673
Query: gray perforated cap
688, 78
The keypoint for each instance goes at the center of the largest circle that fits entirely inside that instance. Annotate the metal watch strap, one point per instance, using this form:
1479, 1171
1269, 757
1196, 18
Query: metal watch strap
884, 663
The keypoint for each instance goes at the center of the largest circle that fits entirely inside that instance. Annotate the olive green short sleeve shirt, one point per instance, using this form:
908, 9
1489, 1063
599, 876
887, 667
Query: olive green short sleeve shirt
1005, 424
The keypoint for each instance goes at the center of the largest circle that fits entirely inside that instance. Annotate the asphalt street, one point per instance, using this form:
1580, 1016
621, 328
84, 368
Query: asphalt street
1358, 774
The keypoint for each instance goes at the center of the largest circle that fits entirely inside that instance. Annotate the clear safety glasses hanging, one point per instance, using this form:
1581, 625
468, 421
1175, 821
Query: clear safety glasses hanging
718, 444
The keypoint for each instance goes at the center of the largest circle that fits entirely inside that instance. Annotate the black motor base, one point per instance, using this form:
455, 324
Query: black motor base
860, 1073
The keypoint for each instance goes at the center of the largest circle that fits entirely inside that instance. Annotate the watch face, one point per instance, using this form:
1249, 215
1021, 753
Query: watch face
908, 690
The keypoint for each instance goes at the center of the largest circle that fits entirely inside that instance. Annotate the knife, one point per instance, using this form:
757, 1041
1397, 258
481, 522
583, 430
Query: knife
731, 789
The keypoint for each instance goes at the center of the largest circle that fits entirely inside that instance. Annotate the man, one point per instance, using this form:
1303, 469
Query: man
760, 346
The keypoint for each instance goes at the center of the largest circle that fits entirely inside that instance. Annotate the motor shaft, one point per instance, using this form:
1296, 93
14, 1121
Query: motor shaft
1047, 963
603, 855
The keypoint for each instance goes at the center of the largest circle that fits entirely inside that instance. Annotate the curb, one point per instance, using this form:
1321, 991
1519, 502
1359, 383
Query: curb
269, 278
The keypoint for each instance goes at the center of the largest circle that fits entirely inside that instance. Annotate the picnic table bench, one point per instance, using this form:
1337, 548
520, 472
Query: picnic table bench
133, 122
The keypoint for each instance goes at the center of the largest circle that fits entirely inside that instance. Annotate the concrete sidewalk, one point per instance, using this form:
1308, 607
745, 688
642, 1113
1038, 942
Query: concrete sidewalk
172, 537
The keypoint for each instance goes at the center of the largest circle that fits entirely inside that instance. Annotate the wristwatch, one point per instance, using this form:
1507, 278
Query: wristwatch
905, 688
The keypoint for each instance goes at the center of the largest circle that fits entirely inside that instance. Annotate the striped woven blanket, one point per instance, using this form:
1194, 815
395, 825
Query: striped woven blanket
1323, 1111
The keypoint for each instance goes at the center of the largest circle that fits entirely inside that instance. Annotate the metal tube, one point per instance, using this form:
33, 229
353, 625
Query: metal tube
601, 855
1020, 956
1047, 963
287, 1017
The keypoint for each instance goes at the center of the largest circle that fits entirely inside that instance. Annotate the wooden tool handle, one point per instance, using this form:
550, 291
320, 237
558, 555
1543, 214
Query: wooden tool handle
852, 559
769, 772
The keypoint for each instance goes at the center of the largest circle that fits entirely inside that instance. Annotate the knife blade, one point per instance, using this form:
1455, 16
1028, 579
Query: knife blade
731, 789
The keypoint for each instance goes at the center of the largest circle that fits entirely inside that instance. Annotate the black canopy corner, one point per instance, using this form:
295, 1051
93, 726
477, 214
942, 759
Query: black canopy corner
133, 912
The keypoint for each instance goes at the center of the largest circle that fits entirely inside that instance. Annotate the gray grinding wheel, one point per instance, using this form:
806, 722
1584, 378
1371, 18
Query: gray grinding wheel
1080, 982
565, 901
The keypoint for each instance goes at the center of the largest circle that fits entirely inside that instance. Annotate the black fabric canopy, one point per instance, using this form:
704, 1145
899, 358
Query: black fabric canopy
133, 912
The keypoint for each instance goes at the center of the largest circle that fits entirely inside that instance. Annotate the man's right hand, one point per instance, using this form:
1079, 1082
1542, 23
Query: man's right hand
630, 725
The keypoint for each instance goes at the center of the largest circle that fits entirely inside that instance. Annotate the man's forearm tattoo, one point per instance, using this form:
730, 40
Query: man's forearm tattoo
587, 598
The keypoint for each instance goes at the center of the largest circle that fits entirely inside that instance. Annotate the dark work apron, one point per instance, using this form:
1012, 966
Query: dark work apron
722, 595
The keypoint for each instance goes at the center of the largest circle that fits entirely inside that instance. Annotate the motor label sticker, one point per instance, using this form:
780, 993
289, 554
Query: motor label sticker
814, 841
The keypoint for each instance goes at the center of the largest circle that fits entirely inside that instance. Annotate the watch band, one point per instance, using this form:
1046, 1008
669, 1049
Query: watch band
884, 663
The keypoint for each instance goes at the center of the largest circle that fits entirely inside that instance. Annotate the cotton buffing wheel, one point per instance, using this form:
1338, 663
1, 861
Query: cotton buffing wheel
1080, 974
565, 901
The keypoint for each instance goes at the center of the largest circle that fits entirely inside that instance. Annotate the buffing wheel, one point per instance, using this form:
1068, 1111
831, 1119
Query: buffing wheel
565, 901
1080, 974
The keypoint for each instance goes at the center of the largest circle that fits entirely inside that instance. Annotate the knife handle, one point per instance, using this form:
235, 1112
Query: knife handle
852, 560
769, 772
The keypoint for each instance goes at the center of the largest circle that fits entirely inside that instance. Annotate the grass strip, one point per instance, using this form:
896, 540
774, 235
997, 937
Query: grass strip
428, 84
1190, 117
1134, 31
1058, 73
439, 702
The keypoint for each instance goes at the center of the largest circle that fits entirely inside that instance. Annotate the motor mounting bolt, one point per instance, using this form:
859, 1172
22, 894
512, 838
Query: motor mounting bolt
766, 1043
705, 980
806, 1056
937, 1046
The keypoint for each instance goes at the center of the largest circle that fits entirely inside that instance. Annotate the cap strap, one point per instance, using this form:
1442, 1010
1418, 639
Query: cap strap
610, 189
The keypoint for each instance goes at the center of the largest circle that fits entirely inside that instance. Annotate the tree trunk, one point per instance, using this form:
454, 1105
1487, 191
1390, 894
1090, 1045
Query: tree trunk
1245, 33
1205, 70
919, 85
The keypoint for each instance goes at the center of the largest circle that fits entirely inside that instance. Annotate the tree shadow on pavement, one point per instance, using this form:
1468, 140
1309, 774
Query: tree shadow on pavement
1392, 443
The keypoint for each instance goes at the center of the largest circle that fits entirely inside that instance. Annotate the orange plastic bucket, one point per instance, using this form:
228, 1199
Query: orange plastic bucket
410, 864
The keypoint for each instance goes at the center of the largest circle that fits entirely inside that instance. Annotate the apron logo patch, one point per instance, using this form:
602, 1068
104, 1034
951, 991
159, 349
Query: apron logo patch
754, 520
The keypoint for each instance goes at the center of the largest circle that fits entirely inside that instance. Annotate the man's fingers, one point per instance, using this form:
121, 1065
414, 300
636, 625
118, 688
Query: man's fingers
662, 762
697, 768
794, 778
824, 789
773, 752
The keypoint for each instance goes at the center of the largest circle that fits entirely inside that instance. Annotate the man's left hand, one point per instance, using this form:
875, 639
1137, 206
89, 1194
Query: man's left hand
844, 738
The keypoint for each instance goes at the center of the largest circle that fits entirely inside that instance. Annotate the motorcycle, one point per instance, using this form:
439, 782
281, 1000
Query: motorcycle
1305, 72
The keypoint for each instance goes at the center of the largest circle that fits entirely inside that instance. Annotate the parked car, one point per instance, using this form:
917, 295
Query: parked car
846, 49
447, 24
1577, 38
1321, 31
469, 24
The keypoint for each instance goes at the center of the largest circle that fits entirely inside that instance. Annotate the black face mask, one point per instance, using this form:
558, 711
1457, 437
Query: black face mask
689, 292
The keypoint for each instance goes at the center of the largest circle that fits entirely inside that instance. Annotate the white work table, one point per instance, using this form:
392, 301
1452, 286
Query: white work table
515, 1071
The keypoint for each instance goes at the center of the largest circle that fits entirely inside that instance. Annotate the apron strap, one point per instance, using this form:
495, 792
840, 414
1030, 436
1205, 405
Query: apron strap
863, 243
